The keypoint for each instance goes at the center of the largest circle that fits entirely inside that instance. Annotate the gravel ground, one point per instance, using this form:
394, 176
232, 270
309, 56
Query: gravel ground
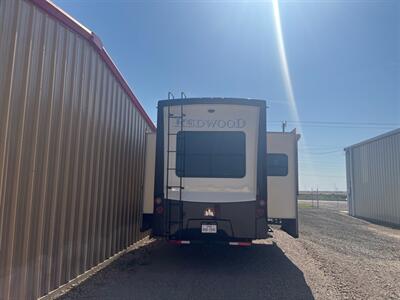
355, 259
336, 257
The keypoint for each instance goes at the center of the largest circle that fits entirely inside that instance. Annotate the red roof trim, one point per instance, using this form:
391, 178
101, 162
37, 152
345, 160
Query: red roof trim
95, 41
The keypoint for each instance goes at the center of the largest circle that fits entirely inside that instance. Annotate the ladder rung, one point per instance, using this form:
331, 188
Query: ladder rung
171, 151
175, 117
171, 115
172, 134
175, 186
174, 169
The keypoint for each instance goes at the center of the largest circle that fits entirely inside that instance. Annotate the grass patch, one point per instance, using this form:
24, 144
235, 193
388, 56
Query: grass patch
325, 196
305, 205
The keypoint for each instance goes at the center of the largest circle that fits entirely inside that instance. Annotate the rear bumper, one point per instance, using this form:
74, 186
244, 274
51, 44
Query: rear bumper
190, 242
235, 221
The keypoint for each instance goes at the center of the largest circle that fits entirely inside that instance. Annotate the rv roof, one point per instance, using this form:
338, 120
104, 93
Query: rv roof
214, 100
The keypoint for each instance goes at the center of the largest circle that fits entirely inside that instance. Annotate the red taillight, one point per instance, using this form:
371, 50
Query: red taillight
245, 244
159, 210
261, 202
260, 212
179, 242
157, 200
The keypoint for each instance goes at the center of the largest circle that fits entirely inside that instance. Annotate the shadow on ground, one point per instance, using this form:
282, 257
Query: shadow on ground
163, 271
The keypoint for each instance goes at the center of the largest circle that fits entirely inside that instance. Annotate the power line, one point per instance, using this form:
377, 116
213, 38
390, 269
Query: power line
348, 126
312, 164
306, 149
327, 152
330, 162
321, 175
345, 125
321, 146
341, 123
305, 168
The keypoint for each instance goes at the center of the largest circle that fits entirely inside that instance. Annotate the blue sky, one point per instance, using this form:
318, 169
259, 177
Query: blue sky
343, 58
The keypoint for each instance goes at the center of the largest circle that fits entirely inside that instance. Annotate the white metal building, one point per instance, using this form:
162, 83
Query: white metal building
373, 178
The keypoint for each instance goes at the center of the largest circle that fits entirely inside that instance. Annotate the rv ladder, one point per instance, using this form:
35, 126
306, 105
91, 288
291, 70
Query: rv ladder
170, 151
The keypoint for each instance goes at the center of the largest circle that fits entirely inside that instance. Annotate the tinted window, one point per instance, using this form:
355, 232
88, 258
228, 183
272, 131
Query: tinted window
216, 154
277, 164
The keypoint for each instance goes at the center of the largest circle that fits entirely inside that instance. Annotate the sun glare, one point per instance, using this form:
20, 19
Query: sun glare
287, 80
283, 60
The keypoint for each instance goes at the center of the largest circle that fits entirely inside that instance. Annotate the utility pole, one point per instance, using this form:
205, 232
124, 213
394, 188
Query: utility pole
312, 197
337, 196
284, 124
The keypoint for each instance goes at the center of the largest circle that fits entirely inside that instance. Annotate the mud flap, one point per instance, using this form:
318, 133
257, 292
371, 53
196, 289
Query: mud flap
262, 229
146, 224
291, 226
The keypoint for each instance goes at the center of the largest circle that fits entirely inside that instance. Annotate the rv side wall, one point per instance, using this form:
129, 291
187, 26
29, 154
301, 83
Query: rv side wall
282, 190
148, 194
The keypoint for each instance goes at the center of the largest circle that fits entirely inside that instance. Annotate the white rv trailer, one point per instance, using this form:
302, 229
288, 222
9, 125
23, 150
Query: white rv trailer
208, 171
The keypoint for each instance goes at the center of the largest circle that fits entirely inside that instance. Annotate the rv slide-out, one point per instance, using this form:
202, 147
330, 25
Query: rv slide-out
282, 170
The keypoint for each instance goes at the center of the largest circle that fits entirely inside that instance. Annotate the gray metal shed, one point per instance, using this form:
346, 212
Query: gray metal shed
373, 178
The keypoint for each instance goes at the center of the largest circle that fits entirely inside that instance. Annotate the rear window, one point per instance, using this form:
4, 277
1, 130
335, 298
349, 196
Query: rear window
211, 154
277, 164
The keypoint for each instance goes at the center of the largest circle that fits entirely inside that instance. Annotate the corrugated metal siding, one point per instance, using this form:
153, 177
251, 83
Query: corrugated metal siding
71, 155
373, 176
